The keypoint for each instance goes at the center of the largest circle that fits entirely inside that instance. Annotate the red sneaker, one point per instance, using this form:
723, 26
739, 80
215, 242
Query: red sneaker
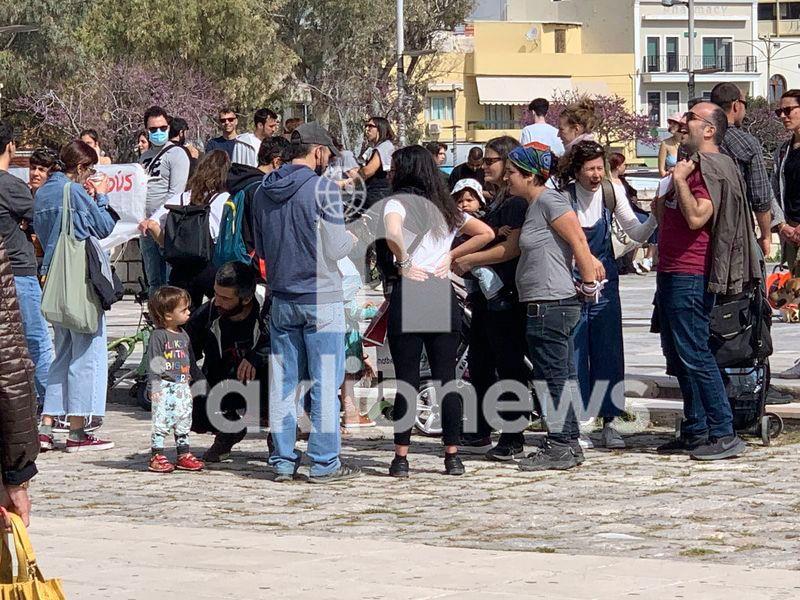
88, 444
187, 462
160, 464
46, 442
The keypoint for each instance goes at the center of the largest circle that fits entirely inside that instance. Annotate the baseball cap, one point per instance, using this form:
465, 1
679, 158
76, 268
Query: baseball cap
314, 133
472, 184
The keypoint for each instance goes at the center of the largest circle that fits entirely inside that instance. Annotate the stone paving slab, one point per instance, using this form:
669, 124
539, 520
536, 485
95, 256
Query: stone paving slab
137, 561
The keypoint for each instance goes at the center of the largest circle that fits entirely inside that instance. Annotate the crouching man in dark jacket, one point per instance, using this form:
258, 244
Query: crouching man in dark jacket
232, 335
19, 445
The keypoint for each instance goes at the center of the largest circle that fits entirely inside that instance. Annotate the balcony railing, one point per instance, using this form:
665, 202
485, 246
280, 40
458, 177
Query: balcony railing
674, 63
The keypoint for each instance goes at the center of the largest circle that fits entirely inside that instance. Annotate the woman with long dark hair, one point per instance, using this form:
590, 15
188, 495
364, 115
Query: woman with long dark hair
207, 187
422, 220
377, 159
598, 338
78, 377
497, 336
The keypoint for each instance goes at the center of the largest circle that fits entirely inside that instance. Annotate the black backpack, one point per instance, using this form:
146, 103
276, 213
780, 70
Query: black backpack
187, 234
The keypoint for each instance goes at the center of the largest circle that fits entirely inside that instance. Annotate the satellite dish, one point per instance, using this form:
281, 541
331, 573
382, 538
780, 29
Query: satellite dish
533, 34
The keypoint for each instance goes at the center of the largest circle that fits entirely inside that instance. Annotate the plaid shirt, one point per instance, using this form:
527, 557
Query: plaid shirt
745, 150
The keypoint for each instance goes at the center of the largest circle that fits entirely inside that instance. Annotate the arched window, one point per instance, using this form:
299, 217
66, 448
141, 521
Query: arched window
777, 86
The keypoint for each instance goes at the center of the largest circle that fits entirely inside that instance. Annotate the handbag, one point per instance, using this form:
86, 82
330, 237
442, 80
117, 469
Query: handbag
740, 330
187, 234
28, 583
68, 298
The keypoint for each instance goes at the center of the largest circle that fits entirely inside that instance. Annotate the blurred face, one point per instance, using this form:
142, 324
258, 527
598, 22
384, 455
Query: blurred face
143, 144
789, 113
620, 170
227, 302
90, 141
441, 157
177, 317
268, 128
84, 172
700, 129
517, 182
468, 202
568, 132
476, 164
591, 174
493, 167
371, 131
37, 175
228, 122
674, 128
739, 111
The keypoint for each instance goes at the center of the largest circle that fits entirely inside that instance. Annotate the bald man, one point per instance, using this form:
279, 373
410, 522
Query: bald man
706, 249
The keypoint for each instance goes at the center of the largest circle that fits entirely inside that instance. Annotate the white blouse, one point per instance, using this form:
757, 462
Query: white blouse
590, 211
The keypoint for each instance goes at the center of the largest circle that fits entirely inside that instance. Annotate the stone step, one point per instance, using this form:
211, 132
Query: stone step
653, 385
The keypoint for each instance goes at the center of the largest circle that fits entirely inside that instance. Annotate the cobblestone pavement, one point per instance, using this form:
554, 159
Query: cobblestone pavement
631, 504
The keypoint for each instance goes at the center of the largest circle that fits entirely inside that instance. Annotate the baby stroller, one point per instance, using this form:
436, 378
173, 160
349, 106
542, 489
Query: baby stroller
742, 344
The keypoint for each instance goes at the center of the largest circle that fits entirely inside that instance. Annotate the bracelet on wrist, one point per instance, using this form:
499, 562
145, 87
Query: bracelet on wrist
405, 263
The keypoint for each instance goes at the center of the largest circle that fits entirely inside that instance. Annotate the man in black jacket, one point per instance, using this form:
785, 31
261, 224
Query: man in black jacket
232, 334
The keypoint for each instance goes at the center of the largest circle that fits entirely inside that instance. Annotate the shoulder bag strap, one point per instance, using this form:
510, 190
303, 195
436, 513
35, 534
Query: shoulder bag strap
164, 150
66, 211
609, 197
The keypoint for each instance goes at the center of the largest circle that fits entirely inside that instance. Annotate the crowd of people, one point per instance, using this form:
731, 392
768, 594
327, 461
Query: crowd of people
530, 226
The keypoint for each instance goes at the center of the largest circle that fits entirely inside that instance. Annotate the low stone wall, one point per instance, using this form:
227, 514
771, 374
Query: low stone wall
127, 260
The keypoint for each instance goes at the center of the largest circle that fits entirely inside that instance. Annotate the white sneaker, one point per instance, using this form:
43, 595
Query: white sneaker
638, 268
647, 264
586, 442
791, 373
611, 439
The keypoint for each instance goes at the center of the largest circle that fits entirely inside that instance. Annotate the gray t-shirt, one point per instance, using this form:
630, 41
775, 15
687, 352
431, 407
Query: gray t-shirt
167, 172
544, 271
169, 358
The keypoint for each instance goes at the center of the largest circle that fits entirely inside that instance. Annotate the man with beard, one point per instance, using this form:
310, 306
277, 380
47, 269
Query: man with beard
231, 333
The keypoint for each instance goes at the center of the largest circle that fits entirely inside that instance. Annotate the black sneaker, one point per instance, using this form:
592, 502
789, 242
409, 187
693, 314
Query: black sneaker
399, 466
577, 450
505, 453
223, 444
776, 397
553, 456
340, 474
453, 464
479, 446
680, 446
719, 449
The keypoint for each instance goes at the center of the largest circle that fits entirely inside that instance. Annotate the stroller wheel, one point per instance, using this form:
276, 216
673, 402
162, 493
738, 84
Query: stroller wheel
771, 427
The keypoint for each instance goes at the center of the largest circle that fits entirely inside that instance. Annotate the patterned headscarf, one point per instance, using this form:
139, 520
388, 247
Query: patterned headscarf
534, 158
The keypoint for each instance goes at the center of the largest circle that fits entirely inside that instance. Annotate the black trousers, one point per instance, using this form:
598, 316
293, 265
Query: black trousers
414, 304
497, 348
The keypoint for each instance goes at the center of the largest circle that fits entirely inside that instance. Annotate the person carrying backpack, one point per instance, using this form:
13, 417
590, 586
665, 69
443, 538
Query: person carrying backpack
188, 225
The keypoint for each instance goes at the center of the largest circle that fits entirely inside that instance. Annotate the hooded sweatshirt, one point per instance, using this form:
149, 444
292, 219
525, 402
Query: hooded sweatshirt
299, 232
242, 177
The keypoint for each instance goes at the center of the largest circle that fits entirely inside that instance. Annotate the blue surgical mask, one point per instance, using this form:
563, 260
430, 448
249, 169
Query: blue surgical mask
158, 137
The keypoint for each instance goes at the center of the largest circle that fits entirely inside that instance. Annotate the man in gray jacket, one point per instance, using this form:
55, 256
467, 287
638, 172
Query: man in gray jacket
167, 167
299, 231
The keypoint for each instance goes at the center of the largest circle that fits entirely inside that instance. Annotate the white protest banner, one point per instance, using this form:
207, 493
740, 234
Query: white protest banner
127, 195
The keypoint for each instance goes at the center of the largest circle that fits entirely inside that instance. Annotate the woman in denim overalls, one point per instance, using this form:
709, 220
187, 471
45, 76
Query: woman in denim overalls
599, 351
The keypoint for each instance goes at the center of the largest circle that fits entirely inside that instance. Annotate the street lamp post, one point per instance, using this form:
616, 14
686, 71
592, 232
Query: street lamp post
401, 73
689, 4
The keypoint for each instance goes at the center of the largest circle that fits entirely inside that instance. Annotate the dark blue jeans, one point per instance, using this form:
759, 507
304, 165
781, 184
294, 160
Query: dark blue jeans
684, 311
550, 336
599, 355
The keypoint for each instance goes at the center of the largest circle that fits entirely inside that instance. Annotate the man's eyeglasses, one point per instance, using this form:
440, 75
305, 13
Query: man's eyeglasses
227, 119
742, 102
161, 128
785, 111
691, 116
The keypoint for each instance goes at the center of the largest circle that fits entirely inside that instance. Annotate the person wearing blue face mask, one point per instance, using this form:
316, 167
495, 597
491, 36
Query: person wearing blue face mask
167, 167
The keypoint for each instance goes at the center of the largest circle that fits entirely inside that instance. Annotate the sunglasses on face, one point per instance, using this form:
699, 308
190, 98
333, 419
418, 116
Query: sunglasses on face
742, 102
227, 119
690, 116
370, 126
785, 111
161, 128
490, 161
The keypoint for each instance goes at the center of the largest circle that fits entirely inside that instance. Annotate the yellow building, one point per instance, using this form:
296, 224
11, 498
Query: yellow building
493, 69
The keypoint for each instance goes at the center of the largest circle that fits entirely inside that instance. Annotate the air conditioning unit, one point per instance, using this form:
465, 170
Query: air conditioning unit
434, 129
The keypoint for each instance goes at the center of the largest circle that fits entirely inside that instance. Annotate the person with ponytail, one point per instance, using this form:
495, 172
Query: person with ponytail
577, 123
598, 337
78, 377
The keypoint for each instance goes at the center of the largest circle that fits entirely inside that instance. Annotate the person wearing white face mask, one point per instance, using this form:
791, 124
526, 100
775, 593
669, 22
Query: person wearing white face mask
167, 167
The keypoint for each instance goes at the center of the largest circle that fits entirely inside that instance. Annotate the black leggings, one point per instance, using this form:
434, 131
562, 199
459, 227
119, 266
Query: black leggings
441, 349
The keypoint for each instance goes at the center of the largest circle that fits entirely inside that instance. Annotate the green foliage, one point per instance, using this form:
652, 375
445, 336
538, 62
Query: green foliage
233, 42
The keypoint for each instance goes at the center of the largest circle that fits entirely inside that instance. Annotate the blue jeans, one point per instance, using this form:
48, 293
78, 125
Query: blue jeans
156, 268
550, 337
599, 354
684, 310
307, 343
78, 379
40, 346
